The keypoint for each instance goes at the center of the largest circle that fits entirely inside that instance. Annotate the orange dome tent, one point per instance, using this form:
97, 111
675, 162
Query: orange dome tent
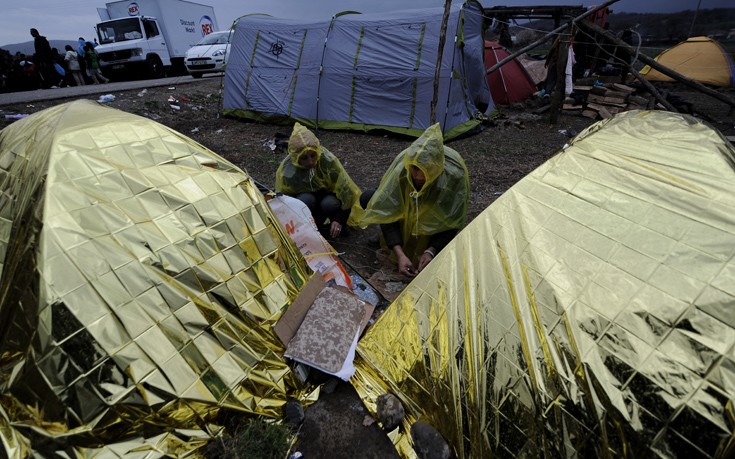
699, 58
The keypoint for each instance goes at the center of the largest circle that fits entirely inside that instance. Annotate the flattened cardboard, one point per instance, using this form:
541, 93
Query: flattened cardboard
291, 320
328, 330
369, 308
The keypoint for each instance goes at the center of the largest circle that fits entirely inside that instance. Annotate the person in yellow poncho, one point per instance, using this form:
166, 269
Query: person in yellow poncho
312, 174
421, 202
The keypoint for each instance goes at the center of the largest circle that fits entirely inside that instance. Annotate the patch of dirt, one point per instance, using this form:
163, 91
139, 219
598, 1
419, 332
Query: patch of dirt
339, 426
504, 151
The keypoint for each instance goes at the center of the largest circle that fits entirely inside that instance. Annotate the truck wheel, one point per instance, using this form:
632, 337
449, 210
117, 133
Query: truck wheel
155, 67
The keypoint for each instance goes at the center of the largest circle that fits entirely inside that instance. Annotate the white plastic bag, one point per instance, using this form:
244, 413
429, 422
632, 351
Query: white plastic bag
296, 218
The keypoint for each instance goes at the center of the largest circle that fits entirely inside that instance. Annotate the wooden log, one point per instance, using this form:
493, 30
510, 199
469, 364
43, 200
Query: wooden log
614, 100
599, 90
595, 107
590, 114
600, 109
637, 100
618, 94
623, 88
652, 89
595, 98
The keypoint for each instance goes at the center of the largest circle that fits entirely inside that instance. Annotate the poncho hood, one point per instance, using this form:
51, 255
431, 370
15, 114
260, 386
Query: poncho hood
427, 153
301, 141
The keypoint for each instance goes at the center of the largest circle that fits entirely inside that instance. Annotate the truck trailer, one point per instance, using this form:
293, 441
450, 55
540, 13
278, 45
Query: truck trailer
150, 36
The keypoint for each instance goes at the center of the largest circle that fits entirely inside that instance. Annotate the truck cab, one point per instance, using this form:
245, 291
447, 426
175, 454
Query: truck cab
132, 43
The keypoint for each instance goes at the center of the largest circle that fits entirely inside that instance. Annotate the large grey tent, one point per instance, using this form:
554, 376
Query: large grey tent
361, 71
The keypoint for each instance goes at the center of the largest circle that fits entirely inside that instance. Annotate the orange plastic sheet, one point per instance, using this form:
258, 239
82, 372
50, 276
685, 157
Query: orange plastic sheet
588, 312
141, 276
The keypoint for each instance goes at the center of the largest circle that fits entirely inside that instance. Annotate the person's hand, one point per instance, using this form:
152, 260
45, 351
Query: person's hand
335, 229
426, 257
405, 266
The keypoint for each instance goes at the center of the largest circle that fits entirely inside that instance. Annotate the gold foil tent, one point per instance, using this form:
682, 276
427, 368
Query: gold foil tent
141, 274
588, 312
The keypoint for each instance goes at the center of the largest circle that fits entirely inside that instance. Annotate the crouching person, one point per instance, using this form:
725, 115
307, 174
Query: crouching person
312, 174
421, 202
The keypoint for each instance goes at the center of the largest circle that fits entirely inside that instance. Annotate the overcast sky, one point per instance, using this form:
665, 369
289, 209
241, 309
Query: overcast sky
70, 19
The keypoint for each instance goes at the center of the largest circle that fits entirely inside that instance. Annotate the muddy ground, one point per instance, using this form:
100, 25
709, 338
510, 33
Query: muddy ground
507, 148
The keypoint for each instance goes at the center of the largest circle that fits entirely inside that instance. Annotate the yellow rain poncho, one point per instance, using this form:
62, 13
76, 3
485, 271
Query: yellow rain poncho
440, 205
328, 174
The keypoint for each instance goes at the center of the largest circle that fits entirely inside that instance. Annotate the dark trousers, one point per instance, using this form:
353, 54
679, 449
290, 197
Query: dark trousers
325, 205
322, 205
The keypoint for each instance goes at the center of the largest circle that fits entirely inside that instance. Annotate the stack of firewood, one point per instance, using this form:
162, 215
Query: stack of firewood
605, 101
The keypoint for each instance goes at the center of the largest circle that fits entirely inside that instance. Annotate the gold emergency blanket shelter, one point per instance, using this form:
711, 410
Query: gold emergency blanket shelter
141, 275
588, 312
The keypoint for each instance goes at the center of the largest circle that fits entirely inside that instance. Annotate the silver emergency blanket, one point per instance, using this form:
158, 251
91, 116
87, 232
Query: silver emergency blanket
141, 275
588, 312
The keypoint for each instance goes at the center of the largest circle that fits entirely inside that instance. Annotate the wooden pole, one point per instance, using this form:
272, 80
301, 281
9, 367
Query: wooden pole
652, 89
439, 56
557, 97
657, 66
548, 35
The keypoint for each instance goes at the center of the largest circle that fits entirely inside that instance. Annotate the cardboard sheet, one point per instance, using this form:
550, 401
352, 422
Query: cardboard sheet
325, 336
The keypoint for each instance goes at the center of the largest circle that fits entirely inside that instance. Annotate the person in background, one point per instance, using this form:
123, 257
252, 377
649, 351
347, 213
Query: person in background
60, 67
421, 202
93, 64
29, 74
72, 63
312, 174
43, 59
81, 43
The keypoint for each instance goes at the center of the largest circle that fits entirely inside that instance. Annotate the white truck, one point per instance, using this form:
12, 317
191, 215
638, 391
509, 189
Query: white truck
152, 35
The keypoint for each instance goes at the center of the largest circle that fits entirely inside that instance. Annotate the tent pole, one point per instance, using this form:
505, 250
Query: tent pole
694, 19
656, 65
439, 56
502, 76
547, 36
